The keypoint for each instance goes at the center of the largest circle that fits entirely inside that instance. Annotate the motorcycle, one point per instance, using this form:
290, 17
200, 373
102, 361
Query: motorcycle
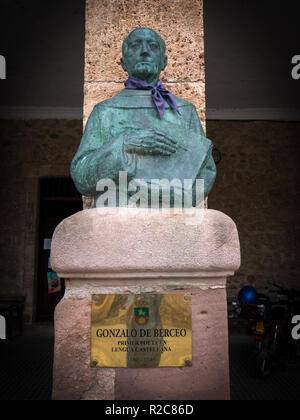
271, 325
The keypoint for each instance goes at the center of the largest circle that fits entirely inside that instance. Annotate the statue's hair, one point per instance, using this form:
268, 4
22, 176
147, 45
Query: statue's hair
161, 42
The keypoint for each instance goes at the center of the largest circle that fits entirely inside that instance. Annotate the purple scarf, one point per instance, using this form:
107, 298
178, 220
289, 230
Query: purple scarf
159, 93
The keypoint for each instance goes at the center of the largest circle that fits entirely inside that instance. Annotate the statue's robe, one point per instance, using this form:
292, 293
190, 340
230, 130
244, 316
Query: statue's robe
101, 153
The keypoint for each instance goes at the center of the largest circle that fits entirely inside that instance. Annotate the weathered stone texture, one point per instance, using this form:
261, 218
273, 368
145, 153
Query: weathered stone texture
106, 241
180, 23
73, 378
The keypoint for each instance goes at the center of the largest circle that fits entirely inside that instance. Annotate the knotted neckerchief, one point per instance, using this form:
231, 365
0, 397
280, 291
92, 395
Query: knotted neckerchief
159, 93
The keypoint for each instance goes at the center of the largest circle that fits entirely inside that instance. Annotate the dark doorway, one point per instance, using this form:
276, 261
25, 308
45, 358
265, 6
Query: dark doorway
59, 199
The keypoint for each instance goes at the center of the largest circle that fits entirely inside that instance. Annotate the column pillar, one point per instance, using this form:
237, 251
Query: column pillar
180, 23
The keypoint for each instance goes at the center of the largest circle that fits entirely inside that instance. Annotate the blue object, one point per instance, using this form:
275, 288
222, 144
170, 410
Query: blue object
248, 295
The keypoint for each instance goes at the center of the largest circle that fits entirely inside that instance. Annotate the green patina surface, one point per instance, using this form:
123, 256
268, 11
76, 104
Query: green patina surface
125, 132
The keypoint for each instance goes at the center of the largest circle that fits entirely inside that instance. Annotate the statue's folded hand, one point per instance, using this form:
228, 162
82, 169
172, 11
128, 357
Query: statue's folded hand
149, 142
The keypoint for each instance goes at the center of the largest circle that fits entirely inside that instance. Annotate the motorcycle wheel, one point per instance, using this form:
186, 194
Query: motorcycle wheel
263, 364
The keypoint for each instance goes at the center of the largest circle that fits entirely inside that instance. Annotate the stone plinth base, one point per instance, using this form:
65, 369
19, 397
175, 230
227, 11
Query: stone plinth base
130, 251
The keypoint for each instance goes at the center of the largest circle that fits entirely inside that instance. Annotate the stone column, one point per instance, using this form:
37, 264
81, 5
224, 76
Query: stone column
180, 23
136, 251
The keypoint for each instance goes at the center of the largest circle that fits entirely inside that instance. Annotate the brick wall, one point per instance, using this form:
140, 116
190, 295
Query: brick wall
29, 150
258, 186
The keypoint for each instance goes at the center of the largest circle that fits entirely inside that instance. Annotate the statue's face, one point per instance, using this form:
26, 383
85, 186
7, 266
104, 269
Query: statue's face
143, 57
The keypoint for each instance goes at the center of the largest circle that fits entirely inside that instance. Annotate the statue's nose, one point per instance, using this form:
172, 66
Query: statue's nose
145, 49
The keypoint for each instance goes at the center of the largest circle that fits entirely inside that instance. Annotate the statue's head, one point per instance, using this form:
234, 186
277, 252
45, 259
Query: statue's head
144, 55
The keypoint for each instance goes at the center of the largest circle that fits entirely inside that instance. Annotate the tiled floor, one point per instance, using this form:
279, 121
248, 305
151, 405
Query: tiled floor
26, 365
26, 370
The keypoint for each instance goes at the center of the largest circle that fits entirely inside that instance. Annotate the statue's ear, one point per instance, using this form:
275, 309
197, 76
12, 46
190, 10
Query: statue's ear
123, 64
164, 62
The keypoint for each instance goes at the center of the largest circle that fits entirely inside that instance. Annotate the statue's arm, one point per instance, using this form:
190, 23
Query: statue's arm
207, 171
97, 159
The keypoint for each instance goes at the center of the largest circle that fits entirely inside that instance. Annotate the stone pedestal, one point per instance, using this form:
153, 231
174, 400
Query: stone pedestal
133, 251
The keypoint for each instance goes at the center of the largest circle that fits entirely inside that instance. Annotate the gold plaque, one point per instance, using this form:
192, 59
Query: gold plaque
144, 330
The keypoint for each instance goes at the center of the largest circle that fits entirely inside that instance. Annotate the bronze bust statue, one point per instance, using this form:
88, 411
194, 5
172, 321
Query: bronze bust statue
143, 131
